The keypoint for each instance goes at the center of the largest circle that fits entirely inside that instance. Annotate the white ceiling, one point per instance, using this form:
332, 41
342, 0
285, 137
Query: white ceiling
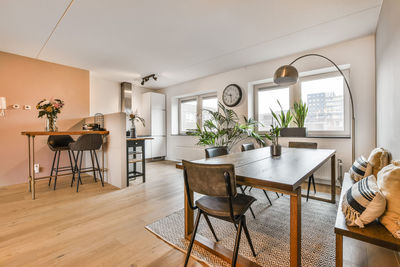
179, 40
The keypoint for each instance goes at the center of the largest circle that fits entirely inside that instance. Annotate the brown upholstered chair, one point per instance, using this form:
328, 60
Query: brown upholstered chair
91, 143
309, 145
59, 143
218, 185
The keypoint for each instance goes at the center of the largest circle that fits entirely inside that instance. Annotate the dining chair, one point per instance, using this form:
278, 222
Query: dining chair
91, 143
247, 147
217, 184
217, 151
57, 144
309, 145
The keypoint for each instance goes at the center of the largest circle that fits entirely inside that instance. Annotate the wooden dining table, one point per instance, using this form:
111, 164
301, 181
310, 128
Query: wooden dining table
31, 153
284, 174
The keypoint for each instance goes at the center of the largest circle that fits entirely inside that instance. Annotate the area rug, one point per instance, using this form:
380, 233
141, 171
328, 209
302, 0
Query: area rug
269, 233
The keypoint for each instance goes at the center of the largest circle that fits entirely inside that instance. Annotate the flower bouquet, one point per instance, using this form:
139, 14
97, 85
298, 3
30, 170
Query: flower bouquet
134, 117
50, 109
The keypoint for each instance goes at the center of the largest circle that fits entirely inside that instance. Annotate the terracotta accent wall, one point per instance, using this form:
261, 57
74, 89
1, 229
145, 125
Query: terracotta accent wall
25, 81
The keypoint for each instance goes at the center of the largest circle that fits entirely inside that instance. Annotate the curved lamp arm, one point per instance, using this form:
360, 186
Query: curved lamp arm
340, 71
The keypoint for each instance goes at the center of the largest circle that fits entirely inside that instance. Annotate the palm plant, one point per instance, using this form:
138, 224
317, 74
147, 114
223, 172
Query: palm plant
300, 113
225, 129
283, 119
273, 134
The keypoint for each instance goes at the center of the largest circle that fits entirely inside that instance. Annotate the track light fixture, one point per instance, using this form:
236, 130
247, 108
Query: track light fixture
147, 78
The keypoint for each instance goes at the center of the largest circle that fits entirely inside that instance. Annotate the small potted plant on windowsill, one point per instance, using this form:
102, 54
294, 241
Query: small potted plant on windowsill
283, 119
299, 117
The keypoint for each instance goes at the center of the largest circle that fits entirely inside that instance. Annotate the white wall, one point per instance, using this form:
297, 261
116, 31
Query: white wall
359, 53
388, 77
104, 95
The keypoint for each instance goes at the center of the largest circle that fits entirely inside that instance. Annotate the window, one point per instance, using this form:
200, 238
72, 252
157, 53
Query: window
325, 95
191, 108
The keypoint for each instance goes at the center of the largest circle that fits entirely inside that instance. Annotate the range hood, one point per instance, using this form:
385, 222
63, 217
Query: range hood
126, 97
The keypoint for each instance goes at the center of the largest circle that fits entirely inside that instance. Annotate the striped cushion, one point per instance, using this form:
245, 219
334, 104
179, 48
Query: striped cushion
363, 202
358, 169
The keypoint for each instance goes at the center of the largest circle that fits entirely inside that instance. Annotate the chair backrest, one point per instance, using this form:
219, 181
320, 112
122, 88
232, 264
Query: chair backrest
246, 147
303, 145
57, 141
212, 152
87, 142
216, 180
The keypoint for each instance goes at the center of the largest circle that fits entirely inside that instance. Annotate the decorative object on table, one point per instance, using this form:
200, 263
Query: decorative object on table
99, 120
378, 159
288, 75
133, 117
225, 130
232, 95
357, 170
283, 119
363, 203
300, 111
389, 184
50, 109
91, 127
3, 106
273, 136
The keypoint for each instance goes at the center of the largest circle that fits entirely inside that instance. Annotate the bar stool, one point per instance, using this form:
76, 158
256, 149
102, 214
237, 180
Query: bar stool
59, 143
91, 143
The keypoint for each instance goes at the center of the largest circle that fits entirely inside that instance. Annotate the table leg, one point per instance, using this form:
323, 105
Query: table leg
339, 250
295, 228
29, 163
333, 179
102, 158
143, 162
188, 216
33, 168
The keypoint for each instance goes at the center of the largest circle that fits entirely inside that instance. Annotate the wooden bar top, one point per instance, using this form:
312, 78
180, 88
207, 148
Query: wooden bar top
139, 138
34, 133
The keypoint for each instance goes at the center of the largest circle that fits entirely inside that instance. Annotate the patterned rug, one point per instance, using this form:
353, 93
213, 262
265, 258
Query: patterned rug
269, 233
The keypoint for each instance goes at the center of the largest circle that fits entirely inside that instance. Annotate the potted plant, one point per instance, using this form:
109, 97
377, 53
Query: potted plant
299, 115
134, 117
224, 129
273, 136
50, 109
283, 119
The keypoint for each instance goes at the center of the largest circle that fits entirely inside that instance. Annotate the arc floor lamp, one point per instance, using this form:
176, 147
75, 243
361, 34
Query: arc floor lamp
288, 75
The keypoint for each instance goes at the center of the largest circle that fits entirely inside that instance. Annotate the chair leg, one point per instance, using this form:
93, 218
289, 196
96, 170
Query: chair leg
237, 243
52, 167
58, 164
70, 161
193, 237
79, 172
211, 228
277, 194
313, 183
75, 166
93, 166
250, 189
251, 210
246, 231
308, 187
269, 200
98, 167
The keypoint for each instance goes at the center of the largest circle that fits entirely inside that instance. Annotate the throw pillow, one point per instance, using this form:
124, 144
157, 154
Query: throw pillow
389, 184
363, 202
378, 159
357, 171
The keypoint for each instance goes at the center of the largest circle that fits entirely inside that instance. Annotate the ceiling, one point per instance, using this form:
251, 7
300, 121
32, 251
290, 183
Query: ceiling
179, 40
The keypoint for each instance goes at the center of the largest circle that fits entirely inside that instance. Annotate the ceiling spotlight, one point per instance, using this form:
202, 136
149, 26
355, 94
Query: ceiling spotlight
147, 78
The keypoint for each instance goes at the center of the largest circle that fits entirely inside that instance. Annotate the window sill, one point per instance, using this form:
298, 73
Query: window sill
326, 137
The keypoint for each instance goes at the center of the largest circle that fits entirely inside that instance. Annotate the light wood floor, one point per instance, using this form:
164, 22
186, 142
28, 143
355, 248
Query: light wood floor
105, 226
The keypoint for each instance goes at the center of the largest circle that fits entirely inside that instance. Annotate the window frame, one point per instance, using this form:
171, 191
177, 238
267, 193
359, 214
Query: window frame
199, 109
295, 95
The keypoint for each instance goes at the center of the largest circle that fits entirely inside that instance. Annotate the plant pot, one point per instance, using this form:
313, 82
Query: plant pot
293, 132
132, 133
276, 150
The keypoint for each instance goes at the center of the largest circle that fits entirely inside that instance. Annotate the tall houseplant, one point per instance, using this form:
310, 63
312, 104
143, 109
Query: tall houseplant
225, 129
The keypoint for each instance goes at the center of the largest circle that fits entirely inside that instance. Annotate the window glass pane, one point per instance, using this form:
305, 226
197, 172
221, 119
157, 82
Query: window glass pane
188, 115
325, 101
210, 103
267, 98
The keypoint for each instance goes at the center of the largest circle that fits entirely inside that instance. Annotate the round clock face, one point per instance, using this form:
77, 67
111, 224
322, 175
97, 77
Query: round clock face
232, 95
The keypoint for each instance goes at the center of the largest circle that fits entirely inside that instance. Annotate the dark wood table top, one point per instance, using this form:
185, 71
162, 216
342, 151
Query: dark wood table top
34, 133
287, 172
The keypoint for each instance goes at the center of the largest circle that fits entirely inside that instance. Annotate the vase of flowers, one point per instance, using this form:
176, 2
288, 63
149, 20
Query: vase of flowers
134, 117
273, 136
49, 109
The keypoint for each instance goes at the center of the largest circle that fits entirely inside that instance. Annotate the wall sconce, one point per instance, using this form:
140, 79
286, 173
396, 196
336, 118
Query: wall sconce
3, 105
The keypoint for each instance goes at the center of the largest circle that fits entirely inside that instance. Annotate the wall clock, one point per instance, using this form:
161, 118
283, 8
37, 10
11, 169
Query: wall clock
232, 95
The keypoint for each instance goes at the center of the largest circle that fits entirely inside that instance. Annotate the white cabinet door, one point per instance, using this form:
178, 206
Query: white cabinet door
158, 122
158, 147
147, 149
157, 101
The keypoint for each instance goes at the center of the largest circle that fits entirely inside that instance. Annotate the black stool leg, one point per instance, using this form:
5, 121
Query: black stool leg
246, 231
211, 228
193, 238
79, 172
75, 166
70, 161
58, 164
313, 183
237, 243
93, 166
98, 167
277, 194
251, 210
308, 188
269, 200
52, 167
